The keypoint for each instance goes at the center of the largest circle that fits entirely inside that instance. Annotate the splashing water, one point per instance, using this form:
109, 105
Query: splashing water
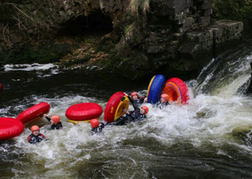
224, 77
209, 137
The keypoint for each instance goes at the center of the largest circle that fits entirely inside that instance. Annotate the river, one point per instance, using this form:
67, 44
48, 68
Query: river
208, 138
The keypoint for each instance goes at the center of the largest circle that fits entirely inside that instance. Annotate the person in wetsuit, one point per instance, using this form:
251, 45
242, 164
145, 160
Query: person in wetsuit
163, 102
35, 136
138, 114
55, 121
96, 126
138, 99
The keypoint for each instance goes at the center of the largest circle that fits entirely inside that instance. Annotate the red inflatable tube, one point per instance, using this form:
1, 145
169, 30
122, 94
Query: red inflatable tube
34, 112
84, 111
10, 127
115, 105
177, 90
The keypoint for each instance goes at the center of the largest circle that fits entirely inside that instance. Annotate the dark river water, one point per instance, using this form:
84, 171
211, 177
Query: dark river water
208, 138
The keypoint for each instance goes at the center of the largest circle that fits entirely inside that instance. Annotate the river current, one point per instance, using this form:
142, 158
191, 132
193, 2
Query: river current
208, 138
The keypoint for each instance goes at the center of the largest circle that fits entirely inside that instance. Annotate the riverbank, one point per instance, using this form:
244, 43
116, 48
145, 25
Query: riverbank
136, 40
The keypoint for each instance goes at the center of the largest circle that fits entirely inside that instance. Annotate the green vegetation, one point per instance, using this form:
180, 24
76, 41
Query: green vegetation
26, 17
240, 10
112, 60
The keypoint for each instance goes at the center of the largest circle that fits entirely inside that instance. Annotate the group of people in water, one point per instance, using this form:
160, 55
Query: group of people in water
138, 114
36, 136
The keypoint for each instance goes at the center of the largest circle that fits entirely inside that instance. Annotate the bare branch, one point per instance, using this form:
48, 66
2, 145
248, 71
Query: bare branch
22, 12
6, 37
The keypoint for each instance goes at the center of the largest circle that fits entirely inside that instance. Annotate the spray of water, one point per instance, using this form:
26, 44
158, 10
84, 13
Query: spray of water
212, 122
224, 78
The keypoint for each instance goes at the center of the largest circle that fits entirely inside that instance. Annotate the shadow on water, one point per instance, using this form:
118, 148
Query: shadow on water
18, 85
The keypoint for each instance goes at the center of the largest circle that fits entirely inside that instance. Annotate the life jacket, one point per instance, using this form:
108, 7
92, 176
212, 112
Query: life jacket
35, 139
136, 115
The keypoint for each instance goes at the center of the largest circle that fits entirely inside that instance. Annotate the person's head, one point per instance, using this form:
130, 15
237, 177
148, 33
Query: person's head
134, 95
35, 130
55, 119
94, 123
164, 98
144, 110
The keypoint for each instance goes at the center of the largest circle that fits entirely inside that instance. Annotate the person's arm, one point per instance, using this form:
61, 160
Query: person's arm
126, 111
42, 135
61, 126
120, 121
143, 99
29, 139
131, 101
48, 118
135, 106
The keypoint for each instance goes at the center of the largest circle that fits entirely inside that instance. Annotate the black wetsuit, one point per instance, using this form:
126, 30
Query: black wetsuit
55, 126
139, 101
98, 129
35, 139
132, 116
162, 105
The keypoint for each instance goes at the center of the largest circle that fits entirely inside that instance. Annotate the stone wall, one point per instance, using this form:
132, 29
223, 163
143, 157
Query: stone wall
146, 36
209, 41
165, 32
180, 34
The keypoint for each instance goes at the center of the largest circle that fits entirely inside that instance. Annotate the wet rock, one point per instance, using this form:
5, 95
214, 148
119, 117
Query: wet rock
143, 36
155, 49
214, 36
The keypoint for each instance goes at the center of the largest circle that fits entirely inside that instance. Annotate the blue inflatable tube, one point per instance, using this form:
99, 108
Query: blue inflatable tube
155, 88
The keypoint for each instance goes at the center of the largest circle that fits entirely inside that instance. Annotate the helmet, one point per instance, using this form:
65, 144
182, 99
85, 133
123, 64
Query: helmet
165, 96
146, 109
133, 94
94, 123
35, 128
55, 118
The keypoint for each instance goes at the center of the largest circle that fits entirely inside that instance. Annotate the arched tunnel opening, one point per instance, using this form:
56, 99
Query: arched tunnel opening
94, 24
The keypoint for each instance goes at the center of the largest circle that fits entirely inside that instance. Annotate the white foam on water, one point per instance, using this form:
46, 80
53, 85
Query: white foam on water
212, 118
73, 145
28, 67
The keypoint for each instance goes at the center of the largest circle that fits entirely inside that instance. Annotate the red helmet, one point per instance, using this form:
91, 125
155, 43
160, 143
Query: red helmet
146, 109
55, 119
94, 123
165, 96
133, 94
35, 128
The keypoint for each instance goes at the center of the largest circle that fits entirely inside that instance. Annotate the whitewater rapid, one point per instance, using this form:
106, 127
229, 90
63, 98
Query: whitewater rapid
216, 123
